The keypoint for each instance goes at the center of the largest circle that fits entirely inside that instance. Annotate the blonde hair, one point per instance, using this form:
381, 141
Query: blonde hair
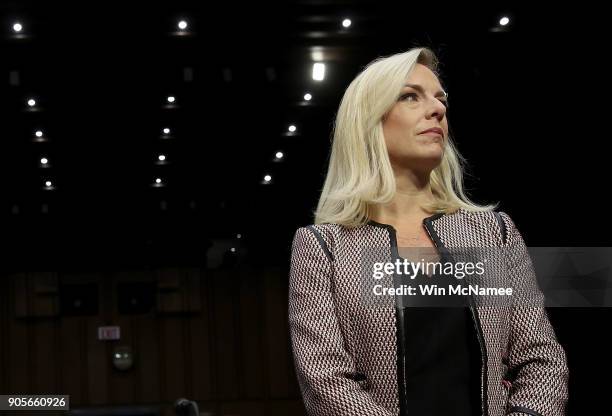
360, 173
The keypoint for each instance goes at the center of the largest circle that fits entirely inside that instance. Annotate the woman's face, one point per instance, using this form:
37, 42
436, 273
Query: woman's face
419, 108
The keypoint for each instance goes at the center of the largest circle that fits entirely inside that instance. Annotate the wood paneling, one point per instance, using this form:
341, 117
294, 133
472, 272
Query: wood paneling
36, 295
219, 337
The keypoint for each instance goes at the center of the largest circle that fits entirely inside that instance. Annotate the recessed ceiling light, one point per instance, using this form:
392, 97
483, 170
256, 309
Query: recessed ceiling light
318, 71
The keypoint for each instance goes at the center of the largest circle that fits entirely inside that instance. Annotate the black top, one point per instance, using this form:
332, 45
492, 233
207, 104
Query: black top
441, 369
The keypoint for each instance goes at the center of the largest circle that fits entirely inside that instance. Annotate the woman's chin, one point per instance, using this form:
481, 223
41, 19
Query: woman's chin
423, 163
432, 152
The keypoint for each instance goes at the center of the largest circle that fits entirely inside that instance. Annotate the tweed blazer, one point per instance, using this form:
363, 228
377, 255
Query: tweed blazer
345, 355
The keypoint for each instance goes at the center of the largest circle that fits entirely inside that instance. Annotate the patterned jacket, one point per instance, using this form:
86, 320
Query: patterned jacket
346, 355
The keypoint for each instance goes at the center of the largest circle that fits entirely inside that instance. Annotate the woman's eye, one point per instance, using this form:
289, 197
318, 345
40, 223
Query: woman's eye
416, 96
410, 94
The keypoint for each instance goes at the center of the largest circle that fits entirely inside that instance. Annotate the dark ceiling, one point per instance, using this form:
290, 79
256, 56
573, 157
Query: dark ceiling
101, 74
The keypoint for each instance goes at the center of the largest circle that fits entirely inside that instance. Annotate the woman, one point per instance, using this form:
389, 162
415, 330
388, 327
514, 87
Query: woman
395, 181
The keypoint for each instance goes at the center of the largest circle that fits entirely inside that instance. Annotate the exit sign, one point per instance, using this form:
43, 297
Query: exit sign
109, 333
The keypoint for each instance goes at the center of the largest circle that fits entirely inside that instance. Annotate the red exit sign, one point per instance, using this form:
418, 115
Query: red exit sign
109, 332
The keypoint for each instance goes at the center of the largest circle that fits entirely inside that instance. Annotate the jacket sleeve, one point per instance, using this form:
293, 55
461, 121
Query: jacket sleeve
535, 357
326, 372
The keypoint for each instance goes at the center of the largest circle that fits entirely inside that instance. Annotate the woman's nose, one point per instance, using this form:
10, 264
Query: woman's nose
436, 109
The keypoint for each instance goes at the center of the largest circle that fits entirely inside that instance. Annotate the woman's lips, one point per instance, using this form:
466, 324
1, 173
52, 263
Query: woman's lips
437, 136
437, 131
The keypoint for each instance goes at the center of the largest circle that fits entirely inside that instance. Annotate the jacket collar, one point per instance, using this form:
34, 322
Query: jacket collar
426, 221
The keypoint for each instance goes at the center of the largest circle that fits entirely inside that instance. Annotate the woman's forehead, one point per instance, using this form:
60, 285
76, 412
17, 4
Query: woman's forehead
422, 77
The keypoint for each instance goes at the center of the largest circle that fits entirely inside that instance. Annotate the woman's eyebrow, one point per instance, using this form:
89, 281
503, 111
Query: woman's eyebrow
419, 88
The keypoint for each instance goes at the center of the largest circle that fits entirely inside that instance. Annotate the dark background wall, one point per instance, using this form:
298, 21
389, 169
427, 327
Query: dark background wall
215, 336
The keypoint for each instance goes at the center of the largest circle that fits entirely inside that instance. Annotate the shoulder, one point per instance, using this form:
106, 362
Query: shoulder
317, 235
323, 231
484, 217
496, 221
475, 218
